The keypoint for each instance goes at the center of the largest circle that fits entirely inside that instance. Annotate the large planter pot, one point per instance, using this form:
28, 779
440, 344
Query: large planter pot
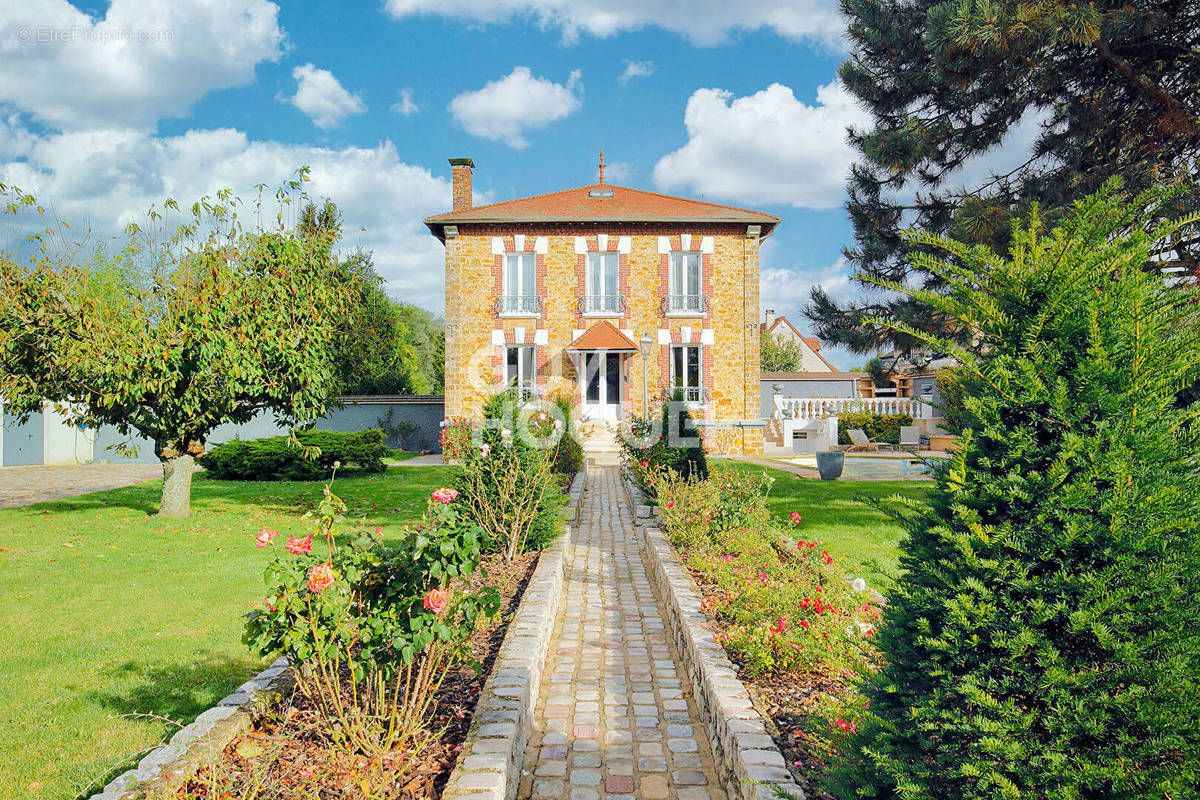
830, 464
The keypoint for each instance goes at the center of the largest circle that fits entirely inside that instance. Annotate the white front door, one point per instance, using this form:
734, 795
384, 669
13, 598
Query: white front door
600, 385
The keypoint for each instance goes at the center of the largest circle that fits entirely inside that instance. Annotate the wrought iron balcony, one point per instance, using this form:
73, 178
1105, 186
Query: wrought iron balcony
602, 304
530, 305
691, 394
685, 304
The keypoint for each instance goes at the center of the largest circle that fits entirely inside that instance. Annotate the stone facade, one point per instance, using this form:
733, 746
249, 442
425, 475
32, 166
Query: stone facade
726, 330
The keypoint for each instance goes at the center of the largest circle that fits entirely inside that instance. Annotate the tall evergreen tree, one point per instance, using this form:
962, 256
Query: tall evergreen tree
1044, 640
1113, 86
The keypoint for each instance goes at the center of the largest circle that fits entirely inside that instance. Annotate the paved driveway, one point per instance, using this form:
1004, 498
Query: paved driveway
23, 486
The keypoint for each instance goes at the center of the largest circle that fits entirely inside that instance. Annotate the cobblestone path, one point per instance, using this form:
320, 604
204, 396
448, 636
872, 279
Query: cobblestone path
23, 486
615, 718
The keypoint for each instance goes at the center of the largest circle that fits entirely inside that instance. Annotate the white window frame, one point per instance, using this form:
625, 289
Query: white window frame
691, 394
600, 303
526, 375
522, 292
675, 293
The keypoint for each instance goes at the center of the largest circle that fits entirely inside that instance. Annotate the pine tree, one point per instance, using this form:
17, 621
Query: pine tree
1044, 640
1110, 87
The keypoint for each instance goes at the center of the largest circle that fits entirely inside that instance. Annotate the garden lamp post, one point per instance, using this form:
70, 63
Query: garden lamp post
644, 344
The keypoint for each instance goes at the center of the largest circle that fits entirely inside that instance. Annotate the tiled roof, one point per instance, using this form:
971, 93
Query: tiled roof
624, 205
603, 336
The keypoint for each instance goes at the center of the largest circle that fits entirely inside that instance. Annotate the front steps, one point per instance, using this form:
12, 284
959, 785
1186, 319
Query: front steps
600, 444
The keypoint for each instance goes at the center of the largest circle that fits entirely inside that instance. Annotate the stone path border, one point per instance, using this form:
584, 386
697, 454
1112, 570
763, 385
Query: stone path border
489, 766
751, 764
168, 765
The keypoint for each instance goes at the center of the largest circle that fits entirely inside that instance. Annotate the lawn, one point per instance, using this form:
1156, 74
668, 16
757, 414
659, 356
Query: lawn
112, 615
840, 516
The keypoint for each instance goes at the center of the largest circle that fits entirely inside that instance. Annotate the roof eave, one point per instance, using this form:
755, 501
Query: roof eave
437, 226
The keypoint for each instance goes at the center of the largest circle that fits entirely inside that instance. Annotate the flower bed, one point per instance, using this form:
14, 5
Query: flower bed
797, 629
389, 645
285, 751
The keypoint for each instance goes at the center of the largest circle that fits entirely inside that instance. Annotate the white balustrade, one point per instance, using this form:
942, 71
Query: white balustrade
807, 408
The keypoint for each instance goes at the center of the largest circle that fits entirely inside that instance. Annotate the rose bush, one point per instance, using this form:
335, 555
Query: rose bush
781, 610
370, 626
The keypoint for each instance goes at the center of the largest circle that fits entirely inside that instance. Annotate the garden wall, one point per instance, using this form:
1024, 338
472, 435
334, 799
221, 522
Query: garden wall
411, 422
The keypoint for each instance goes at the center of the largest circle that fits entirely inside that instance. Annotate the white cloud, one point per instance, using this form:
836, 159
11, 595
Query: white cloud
636, 69
704, 22
143, 61
787, 291
504, 109
103, 179
323, 98
405, 104
618, 172
768, 147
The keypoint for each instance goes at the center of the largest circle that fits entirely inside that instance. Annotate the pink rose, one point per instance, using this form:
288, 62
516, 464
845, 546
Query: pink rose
297, 546
320, 577
444, 495
264, 537
436, 600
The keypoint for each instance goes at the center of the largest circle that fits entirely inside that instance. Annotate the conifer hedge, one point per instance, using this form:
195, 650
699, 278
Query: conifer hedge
1043, 641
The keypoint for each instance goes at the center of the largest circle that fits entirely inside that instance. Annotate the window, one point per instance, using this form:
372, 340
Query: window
519, 371
603, 293
685, 371
685, 292
520, 284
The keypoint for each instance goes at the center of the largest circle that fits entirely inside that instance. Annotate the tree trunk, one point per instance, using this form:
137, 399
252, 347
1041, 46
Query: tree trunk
177, 486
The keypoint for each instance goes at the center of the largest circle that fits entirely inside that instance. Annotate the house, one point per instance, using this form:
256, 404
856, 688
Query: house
571, 292
782, 329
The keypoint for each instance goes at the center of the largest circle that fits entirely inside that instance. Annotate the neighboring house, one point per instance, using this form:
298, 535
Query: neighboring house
782, 329
558, 293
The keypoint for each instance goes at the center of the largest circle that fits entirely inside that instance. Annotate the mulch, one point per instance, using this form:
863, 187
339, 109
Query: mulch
288, 756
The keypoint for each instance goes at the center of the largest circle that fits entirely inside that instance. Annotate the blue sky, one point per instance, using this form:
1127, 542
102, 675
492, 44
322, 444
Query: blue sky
108, 107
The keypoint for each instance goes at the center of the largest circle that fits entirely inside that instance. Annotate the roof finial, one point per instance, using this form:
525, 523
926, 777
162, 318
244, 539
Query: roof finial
602, 166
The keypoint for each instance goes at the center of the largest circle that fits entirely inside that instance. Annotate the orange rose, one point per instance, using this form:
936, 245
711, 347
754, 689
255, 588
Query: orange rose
436, 600
320, 577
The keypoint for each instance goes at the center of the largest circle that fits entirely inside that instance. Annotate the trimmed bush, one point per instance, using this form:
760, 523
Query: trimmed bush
274, 458
879, 427
648, 455
1042, 641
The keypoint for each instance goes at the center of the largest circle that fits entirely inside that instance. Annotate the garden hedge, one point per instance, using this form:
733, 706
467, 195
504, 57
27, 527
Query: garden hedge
274, 458
879, 427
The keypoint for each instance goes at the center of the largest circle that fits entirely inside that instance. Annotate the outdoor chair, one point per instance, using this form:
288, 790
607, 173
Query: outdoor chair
864, 443
910, 437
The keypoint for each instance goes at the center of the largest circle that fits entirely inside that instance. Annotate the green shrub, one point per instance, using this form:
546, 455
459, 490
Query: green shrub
647, 453
879, 427
1042, 640
566, 457
275, 458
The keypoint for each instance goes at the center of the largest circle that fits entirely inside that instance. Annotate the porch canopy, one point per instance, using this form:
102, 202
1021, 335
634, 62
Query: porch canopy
603, 336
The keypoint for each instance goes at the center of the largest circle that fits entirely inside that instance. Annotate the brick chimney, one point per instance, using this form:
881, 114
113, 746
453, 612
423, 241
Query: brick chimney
461, 168
770, 312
